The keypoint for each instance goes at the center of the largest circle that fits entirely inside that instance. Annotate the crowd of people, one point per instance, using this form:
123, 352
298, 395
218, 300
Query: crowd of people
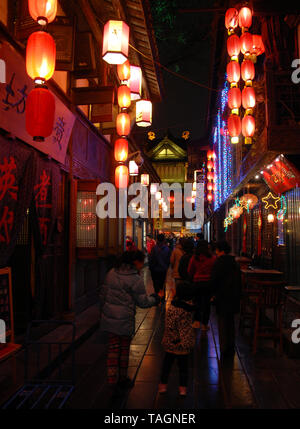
203, 274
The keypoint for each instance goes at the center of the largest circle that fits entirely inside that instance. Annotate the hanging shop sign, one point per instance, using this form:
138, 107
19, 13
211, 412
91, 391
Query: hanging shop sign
281, 176
13, 98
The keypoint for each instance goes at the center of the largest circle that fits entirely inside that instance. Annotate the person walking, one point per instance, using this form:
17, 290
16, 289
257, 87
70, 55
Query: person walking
122, 291
150, 243
176, 255
130, 245
199, 270
226, 291
159, 260
188, 249
179, 337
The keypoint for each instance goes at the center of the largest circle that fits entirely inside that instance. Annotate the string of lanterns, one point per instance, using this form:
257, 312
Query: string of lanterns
211, 176
250, 46
40, 66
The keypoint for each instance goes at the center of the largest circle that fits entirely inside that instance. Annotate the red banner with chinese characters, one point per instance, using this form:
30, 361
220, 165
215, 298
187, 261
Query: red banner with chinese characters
281, 176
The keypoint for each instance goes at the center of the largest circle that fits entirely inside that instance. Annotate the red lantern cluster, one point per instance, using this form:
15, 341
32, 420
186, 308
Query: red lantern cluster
211, 176
40, 66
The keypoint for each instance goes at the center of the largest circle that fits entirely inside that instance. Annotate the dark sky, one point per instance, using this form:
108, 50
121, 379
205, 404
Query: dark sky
184, 41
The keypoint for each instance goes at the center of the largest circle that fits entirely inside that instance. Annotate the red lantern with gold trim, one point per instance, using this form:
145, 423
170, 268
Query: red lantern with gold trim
231, 19
233, 72
248, 71
233, 47
210, 175
40, 56
121, 150
258, 47
123, 124
234, 128
210, 186
121, 177
248, 128
246, 44
124, 71
234, 99
210, 165
209, 197
43, 11
245, 17
124, 98
248, 98
40, 111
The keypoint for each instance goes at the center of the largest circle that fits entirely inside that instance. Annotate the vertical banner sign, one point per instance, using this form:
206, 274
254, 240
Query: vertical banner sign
259, 232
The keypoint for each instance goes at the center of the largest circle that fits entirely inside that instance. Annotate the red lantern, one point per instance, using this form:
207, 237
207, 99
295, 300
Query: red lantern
233, 47
248, 98
234, 100
248, 71
123, 124
124, 71
233, 72
115, 42
210, 176
43, 11
258, 45
245, 17
209, 197
145, 179
234, 128
231, 19
121, 150
133, 168
210, 165
40, 110
40, 56
209, 154
248, 128
124, 98
121, 177
209, 186
135, 82
144, 113
246, 43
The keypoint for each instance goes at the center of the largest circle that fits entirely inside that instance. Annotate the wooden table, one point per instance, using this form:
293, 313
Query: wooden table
260, 271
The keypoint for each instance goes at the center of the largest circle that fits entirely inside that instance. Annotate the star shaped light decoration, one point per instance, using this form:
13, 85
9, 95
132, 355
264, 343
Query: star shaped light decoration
271, 201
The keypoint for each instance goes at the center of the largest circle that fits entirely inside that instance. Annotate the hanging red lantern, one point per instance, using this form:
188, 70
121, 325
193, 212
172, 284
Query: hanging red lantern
233, 47
123, 124
124, 71
145, 179
248, 99
209, 154
115, 42
234, 100
43, 11
121, 177
231, 19
210, 175
40, 56
233, 72
135, 82
210, 165
234, 128
40, 110
144, 113
124, 98
258, 47
210, 186
248, 71
121, 150
245, 18
209, 197
248, 128
133, 168
246, 44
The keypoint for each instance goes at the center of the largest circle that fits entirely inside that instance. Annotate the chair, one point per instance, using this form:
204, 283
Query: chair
269, 298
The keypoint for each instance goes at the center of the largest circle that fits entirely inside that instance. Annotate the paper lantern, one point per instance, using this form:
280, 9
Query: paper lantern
233, 47
158, 196
210, 176
231, 19
271, 218
234, 128
248, 201
121, 150
209, 154
236, 211
248, 99
145, 179
258, 45
210, 165
144, 113
133, 168
246, 44
123, 124
233, 72
115, 42
245, 17
124, 99
234, 99
248, 71
43, 11
124, 71
153, 188
248, 128
210, 186
121, 177
40, 56
209, 197
40, 110
135, 82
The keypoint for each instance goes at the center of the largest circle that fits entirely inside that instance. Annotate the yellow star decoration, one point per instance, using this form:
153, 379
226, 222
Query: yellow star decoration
271, 201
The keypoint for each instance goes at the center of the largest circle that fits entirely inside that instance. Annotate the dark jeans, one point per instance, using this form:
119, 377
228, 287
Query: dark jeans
202, 301
182, 361
226, 333
158, 279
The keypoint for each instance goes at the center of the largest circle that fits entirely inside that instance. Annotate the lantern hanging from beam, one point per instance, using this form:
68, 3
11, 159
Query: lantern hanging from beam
210, 175
210, 165
271, 218
234, 128
158, 195
233, 47
135, 82
248, 99
42, 11
124, 98
245, 18
233, 73
210, 186
246, 44
121, 177
40, 56
121, 150
145, 179
258, 45
144, 113
40, 110
248, 72
124, 71
115, 42
153, 188
248, 128
231, 19
133, 168
209, 197
234, 100
123, 124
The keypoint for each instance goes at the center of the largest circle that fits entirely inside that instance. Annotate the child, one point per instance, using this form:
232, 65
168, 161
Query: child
179, 336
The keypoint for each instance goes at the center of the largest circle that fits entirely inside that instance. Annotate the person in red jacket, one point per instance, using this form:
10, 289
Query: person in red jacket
199, 270
150, 243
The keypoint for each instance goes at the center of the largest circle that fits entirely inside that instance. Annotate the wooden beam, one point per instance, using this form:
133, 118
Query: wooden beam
100, 95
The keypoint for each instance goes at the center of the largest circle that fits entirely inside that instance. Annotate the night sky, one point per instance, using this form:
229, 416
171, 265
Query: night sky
184, 43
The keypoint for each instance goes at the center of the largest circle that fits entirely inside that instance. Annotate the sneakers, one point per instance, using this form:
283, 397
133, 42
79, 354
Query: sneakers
196, 324
182, 390
162, 388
